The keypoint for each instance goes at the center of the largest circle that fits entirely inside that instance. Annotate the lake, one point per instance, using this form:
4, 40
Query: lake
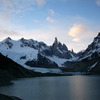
79, 87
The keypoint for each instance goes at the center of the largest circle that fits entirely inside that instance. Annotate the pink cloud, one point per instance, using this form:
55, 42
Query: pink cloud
49, 19
77, 29
36, 21
40, 2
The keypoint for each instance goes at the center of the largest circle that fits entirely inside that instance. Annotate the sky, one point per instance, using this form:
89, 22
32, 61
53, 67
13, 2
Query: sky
74, 22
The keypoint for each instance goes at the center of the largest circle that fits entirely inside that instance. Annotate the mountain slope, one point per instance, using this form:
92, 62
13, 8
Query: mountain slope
93, 49
10, 70
42, 61
59, 50
39, 57
89, 60
30, 53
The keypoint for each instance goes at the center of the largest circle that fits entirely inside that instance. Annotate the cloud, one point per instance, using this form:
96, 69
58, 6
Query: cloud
37, 34
77, 29
98, 2
13, 10
40, 2
18, 6
4, 33
4, 18
51, 12
10, 6
76, 40
80, 42
9, 9
36, 21
49, 19
81, 36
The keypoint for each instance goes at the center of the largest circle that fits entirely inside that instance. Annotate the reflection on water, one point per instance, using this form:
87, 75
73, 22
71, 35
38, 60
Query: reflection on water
55, 88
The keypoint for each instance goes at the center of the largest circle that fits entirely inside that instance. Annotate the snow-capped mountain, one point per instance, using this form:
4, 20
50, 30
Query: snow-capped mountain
40, 57
89, 59
60, 50
32, 54
92, 50
92, 54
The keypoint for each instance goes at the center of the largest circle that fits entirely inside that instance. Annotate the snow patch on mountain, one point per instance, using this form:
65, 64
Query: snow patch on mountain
57, 60
93, 66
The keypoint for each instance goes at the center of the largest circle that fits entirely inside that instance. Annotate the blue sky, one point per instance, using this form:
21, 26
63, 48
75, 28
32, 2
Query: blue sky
74, 22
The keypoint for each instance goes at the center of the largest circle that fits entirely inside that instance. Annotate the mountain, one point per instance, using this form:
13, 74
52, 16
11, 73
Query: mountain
89, 60
11, 70
33, 54
59, 50
41, 61
93, 49
39, 57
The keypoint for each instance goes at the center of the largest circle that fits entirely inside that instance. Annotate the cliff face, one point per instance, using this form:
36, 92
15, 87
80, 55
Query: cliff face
59, 50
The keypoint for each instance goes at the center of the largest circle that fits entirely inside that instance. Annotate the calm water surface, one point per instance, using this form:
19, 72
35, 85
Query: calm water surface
55, 88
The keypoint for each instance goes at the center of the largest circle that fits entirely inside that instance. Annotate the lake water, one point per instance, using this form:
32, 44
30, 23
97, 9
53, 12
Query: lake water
55, 88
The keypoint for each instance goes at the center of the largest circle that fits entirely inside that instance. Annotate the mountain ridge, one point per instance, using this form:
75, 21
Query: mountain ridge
26, 51
89, 59
33, 54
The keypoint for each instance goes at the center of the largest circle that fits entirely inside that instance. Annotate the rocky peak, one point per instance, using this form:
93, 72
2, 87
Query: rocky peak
33, 44
65, 47
55, 44
60, 50
7, 39
92, 48
97, 39
56, 40
72, 51
96, 43
58, 45
8, 42
28, 43
22, 40
98, 33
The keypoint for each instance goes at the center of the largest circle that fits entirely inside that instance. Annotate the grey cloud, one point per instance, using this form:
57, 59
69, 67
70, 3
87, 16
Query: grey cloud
7, 32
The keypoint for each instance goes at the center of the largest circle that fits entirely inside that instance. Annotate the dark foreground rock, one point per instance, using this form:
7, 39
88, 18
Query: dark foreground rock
10, 70
5, 97
4, 82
